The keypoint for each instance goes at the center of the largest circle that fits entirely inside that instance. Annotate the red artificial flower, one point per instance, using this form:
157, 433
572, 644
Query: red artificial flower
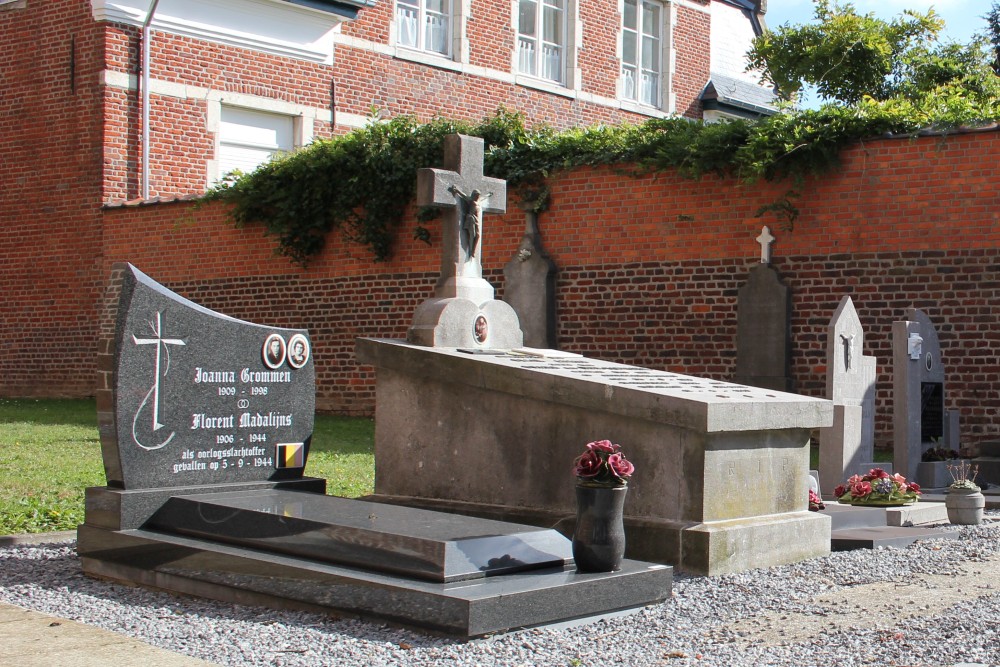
605, 446
861, 489
587, 465
839, 491
877, 473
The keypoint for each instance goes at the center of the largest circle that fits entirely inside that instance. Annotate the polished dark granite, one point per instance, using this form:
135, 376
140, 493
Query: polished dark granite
202, 398
387, 538
473, 608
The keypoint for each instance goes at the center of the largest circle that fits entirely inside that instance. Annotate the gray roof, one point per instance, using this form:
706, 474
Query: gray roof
728, 93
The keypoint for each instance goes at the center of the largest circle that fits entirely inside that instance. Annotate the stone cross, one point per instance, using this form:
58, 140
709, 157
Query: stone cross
466, 194
765, 240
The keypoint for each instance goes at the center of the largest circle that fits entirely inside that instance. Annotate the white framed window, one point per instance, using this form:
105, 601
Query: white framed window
642, 52
425, 25
249, 138
542, 44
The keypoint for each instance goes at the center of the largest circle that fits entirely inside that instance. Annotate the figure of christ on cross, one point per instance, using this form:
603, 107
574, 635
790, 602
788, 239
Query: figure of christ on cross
470, 214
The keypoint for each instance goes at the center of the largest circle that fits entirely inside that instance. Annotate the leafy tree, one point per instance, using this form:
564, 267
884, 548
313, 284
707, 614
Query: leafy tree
854, 59
993, 26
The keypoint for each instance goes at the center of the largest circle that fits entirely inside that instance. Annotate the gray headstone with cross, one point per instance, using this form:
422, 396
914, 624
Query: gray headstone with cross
463, 311
848, 446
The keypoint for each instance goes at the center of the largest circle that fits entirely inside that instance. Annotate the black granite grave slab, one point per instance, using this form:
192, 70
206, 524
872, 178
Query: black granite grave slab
472, 608
202, 398
387, 538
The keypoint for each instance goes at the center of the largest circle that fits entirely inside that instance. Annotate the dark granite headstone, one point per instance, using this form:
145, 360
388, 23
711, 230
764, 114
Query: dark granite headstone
763, 344
918, 393
202, 398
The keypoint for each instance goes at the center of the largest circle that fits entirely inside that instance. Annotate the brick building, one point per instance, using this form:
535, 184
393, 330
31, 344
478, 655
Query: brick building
225, 83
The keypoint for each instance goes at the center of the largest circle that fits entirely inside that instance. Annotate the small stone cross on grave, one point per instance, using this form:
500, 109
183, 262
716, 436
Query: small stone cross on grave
466, 194
765, 240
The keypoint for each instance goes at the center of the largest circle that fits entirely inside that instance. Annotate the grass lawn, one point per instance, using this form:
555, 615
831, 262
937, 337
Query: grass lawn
50, 452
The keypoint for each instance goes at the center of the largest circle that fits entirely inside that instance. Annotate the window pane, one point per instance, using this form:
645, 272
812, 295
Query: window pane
553, 26
651, 19
437, 6
629, 17
406, 29
629, 48
650, 53
526, 56
527, 15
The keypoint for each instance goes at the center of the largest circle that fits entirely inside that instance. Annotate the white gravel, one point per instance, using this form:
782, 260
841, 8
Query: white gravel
820, 612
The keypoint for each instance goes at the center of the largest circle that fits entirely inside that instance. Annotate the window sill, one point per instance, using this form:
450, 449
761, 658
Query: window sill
644, 109
429, 58
545, 85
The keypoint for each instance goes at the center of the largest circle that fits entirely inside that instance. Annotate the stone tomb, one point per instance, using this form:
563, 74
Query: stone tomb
722, 469
206, 423
848, 447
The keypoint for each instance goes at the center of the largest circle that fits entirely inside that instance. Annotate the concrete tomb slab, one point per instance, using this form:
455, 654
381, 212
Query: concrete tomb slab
722, 482
220, 508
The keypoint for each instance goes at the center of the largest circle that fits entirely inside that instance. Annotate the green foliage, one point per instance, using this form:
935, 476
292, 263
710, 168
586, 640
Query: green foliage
860, 59
993, 33
50, 452
847, 56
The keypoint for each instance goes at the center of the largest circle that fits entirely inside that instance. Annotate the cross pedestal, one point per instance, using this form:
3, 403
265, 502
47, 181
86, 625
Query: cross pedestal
463, 312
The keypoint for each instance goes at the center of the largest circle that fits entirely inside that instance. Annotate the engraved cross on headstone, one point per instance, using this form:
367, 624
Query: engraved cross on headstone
765, 240
466, 194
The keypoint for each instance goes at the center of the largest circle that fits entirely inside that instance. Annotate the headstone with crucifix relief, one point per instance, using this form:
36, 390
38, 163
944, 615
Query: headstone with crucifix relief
463, 311
764, 305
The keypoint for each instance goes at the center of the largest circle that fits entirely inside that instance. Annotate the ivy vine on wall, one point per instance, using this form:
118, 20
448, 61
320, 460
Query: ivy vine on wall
361, 183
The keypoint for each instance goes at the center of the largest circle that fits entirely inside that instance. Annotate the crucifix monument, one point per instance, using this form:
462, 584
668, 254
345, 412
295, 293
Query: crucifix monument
463, 312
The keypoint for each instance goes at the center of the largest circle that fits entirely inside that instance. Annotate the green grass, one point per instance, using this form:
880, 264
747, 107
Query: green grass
50, 452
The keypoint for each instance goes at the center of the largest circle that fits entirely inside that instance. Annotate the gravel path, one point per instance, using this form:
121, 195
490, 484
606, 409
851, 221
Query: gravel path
935, 603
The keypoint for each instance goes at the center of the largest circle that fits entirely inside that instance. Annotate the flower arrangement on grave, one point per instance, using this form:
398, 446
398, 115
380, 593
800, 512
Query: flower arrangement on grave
963, 476
877, 488
815, 502
602, 465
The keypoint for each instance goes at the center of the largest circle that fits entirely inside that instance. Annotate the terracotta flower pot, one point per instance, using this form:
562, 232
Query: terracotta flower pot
599, 538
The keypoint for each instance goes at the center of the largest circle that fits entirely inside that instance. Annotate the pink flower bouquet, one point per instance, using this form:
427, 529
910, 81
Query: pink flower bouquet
602, 465
877, 488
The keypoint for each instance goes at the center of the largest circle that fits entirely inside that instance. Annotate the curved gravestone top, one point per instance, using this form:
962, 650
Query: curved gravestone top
200, 398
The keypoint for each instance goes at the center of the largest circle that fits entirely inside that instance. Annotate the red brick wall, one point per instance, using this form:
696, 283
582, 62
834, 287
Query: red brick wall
650, 268
50, 180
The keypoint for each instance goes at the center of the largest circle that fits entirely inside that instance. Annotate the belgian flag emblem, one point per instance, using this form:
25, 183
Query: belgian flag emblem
291, 455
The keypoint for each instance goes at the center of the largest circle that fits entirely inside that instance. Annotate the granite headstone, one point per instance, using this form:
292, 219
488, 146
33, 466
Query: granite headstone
763, 320
202, 398
206, 427
530, 287
919, 418
848, 447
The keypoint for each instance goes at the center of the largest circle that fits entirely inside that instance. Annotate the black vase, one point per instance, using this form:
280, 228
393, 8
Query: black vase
599, 538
